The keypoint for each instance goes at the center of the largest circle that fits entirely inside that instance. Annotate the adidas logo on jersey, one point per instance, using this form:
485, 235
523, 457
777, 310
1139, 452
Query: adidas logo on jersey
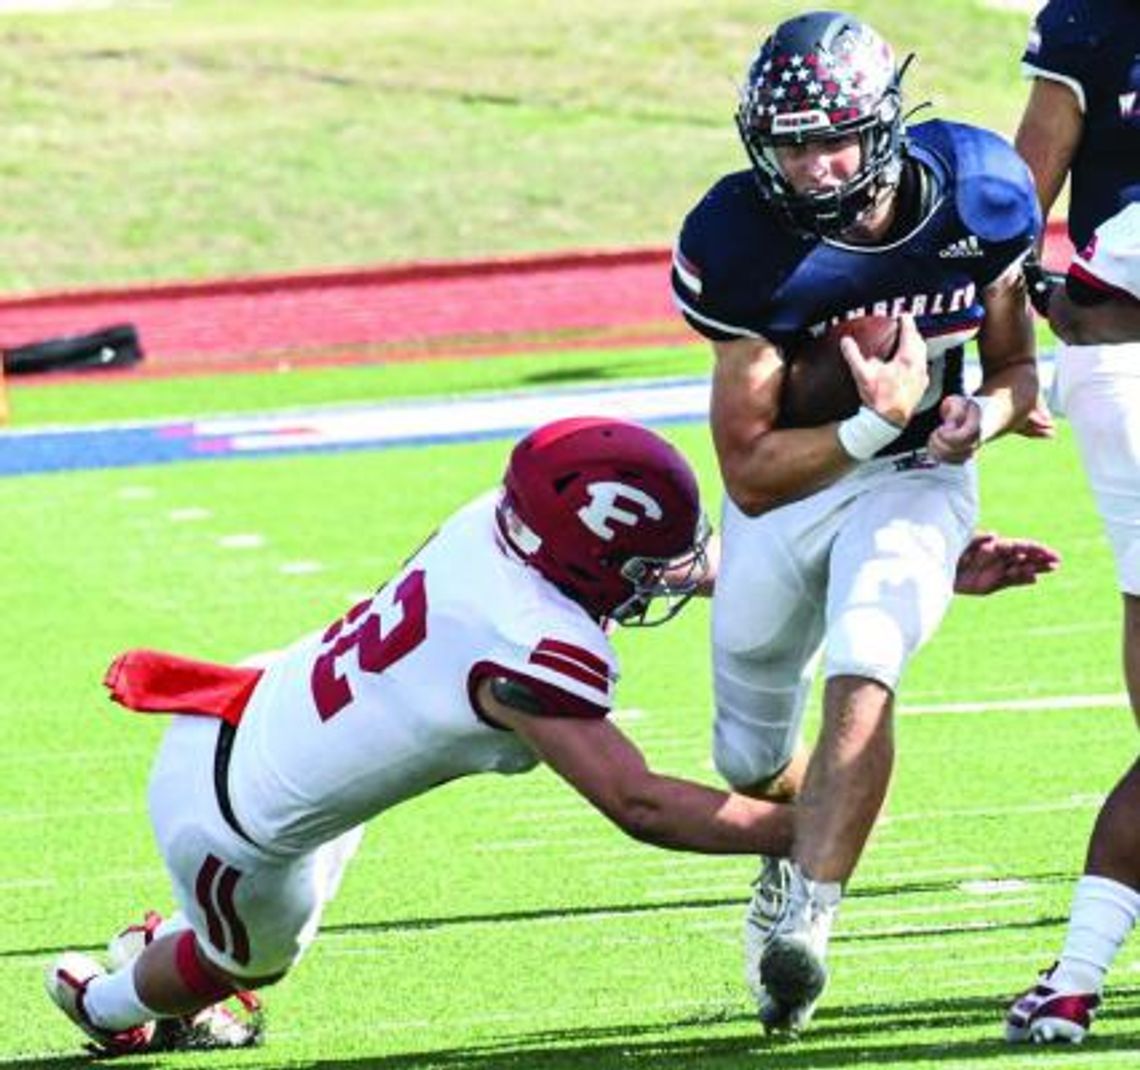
967, 246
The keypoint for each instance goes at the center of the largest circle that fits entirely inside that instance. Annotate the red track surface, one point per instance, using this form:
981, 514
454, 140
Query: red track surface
383, 314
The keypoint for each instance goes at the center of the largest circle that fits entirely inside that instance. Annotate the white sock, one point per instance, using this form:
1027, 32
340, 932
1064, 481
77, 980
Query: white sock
112, 1003
827, 894
1103, 914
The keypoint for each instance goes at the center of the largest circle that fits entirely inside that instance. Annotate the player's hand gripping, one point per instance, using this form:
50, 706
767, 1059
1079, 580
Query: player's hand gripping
893, 388
957, 438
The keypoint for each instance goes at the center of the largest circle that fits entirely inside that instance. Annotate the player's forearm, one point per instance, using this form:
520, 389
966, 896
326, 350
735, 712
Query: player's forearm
762, 464
781, 466
1008, 395
1048, 136
685, 816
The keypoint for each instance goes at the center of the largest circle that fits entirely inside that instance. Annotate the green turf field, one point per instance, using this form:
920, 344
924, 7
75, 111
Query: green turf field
39, 400
495, 923
501, 923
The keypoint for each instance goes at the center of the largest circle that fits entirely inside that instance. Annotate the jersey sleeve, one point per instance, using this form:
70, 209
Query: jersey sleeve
1061, 47
1110, 262
569, 671
703, 284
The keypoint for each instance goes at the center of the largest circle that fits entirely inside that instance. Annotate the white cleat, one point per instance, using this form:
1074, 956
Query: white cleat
793, 963
66, 981
769, 898
1045, 1015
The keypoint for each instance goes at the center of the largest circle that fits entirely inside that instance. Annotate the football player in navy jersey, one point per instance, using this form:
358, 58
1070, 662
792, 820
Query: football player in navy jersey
842, 536
1082, 122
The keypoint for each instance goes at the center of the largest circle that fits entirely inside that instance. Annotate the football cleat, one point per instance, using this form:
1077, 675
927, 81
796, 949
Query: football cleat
218, 1026
126, 946
66, 981
1045, 1015
769, 897
792, 964
214, 1028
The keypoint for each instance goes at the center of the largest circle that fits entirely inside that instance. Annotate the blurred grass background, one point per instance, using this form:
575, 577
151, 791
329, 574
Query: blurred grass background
202, 138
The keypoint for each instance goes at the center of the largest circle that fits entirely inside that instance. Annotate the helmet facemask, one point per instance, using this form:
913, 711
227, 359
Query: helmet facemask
663, 585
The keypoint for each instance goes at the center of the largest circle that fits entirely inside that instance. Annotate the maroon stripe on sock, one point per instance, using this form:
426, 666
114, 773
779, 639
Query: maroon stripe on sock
203, 889
240, 937
193, 974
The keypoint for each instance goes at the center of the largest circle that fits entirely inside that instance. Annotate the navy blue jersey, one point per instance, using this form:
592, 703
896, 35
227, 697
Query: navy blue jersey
739, 272
1093, 46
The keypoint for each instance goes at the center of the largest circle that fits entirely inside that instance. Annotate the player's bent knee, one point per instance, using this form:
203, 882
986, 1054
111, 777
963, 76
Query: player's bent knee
753, 772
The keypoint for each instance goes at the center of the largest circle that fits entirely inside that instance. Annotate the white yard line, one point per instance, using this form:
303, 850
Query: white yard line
1115, 700
1075, 802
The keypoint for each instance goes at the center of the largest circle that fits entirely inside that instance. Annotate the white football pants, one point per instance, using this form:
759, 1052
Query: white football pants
254, 913
1098, 388
863, 570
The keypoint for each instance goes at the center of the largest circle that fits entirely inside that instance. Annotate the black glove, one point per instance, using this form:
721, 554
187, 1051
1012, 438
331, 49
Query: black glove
1041, 282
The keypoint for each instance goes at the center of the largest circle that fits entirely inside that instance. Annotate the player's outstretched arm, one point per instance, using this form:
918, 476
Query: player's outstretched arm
605, 767
992, 563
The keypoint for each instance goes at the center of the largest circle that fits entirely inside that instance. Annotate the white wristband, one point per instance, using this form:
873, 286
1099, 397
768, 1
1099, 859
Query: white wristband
991, 422
865, 433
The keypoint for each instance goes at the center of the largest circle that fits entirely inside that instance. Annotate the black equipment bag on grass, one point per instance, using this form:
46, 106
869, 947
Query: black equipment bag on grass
117, 346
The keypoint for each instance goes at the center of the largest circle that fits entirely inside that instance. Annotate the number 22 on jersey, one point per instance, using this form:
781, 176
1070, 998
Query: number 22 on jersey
380, 630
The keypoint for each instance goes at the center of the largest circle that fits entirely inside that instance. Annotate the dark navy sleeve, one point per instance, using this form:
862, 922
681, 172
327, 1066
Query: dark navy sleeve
1093, 47
1061, 45
688, 278
722, 273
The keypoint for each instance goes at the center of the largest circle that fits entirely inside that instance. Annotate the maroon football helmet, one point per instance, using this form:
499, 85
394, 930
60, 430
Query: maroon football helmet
823, 75
610, 513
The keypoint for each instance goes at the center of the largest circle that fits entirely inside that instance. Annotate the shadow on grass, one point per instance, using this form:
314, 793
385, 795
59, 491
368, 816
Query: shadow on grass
77, 1062
512, 917
555, 375
869, 1034
860, 1035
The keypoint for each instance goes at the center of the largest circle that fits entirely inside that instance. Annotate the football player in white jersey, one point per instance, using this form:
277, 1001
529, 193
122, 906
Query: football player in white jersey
488, 652
1097, 314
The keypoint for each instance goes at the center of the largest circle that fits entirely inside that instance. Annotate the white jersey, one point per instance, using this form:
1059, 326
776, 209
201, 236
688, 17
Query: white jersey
1111, 261
379, 707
